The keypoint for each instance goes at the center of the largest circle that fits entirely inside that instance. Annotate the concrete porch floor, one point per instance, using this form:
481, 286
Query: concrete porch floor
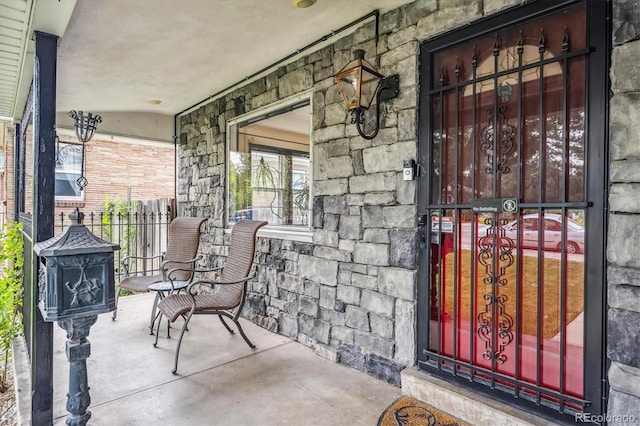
220, 380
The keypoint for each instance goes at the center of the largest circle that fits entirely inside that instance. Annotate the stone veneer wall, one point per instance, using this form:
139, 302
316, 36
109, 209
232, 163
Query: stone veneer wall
623, 241
350, 294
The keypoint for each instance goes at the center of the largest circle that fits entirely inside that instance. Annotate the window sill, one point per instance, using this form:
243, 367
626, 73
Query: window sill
286, 233
69, 203
302, 235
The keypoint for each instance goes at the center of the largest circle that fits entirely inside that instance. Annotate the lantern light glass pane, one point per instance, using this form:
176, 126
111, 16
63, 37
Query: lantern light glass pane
347, 85
368, 88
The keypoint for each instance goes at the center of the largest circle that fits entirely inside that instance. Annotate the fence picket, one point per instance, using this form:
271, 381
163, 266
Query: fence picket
142, 232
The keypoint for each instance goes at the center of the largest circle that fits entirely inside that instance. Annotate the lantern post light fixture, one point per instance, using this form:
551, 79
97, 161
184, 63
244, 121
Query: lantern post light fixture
358, 83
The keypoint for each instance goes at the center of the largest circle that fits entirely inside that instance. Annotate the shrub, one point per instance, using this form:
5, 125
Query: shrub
11, 276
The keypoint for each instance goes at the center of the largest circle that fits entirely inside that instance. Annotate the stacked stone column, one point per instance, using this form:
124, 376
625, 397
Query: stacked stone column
623, 242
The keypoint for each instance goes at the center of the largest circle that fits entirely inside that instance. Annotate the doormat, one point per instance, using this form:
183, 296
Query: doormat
406, 411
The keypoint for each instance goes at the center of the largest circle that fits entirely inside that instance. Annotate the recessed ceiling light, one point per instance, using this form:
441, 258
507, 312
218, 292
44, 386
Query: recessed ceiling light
154, 102
303, 3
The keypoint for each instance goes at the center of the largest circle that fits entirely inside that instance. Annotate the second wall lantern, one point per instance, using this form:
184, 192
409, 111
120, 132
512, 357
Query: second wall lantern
359, 82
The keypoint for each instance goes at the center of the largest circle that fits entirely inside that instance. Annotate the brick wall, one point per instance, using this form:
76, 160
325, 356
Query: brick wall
7, 203
115, 167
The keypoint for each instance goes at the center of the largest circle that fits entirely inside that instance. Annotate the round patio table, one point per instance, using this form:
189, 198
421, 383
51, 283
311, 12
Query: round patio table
163, 289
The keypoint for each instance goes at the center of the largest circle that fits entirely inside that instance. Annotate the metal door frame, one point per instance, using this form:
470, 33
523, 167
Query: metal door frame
597, 182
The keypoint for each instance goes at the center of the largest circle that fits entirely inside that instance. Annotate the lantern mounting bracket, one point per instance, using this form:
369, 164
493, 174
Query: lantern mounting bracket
389, 89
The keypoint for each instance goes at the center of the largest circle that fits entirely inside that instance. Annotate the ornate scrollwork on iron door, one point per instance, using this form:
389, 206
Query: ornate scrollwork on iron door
495, 243
488, 144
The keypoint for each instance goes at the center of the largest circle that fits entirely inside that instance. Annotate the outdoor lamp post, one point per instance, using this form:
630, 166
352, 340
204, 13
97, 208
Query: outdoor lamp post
76, 283
358, 83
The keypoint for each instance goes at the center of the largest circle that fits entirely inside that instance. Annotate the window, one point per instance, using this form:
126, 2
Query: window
68, 170
270, 167
552, 225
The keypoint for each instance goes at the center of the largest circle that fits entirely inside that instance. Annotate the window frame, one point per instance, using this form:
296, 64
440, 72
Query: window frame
285, 232
81, 197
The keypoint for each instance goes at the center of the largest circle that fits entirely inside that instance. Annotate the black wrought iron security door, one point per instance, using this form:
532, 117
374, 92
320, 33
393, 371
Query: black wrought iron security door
507, 210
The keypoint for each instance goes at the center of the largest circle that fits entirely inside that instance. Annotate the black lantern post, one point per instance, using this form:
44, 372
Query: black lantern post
358, 83
76, 283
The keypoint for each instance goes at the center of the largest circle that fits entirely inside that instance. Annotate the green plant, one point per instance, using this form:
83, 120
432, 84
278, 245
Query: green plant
11, 277
240, 183
122, 210
264, 176
301, 198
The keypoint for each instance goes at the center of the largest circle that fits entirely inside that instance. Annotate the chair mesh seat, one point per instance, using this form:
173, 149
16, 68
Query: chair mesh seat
179, 304
139, 283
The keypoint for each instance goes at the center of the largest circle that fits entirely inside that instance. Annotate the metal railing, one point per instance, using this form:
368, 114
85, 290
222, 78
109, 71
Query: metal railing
138, 234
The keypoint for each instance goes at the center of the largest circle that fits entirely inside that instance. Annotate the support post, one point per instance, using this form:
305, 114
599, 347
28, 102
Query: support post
44, 119
78, 350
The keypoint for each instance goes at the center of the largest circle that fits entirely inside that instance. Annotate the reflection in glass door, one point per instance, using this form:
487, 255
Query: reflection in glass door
506, 209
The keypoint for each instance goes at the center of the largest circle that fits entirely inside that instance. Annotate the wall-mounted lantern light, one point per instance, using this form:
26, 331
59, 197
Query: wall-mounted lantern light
358, 83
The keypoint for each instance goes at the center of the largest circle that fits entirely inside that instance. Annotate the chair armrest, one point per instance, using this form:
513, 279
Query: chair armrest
186, 262
125, 260
193, 270
192, 262
212, 283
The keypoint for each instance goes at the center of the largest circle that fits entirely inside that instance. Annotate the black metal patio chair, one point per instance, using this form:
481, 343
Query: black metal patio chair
182, 248
229, 290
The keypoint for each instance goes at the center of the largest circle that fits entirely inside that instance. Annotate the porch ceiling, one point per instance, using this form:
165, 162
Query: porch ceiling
117, 55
